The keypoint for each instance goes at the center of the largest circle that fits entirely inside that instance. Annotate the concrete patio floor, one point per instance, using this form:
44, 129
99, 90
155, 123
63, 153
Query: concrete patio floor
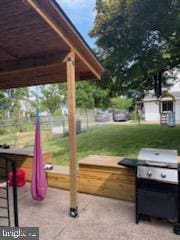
100, 219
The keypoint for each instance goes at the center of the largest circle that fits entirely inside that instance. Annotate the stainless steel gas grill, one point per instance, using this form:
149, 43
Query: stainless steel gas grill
157, 185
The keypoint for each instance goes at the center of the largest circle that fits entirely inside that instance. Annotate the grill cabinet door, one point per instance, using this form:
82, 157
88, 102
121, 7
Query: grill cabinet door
157, 199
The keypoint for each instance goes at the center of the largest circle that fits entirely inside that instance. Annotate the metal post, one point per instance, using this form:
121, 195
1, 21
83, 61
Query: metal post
16, 222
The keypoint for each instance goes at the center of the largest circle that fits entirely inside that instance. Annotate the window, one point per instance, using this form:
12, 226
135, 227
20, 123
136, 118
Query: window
167, 106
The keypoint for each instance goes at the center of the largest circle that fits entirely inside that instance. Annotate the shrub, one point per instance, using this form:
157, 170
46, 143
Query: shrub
121, 103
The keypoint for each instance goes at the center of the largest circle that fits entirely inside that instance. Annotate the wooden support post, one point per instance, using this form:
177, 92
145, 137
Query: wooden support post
70, 62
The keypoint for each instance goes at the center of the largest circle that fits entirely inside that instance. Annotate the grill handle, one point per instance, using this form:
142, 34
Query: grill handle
156, 164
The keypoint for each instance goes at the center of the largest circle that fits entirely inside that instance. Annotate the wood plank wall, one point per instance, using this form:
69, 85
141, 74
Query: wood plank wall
98, 175
108, 180
59, 178
26, 161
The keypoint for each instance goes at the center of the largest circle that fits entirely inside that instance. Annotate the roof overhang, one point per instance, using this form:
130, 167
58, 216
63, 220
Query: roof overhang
36, 37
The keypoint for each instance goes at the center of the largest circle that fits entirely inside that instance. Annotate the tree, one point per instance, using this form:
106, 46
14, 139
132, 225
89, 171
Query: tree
89, 95
3, 104
138, 41
121, 103
10, 101
14, 97
101, 97
51, 97
85, 95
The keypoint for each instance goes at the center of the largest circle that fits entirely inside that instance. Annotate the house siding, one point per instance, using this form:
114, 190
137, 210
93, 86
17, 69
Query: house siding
152, 111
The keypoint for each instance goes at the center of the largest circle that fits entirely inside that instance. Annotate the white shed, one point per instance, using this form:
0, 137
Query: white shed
155, 108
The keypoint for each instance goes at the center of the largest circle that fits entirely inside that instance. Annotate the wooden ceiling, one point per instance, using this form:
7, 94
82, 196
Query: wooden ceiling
36, 36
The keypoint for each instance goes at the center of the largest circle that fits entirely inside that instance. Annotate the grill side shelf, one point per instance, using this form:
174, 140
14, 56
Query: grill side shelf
128, 162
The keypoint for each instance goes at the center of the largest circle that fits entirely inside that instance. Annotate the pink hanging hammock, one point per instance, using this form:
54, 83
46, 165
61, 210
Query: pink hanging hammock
39, 183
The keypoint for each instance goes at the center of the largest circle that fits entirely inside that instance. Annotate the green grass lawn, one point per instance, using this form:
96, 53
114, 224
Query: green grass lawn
116, 140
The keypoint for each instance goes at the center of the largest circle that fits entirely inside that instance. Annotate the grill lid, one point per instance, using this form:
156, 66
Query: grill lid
158, 157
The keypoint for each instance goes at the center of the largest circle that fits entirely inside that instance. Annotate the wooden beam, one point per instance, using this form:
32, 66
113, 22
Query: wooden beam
86, 76
62, 35
35, 76
40, 61
39, 75
8, 52
70, 62
31, 69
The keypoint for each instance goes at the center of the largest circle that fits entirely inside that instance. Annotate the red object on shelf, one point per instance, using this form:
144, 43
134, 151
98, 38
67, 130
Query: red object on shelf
20, 177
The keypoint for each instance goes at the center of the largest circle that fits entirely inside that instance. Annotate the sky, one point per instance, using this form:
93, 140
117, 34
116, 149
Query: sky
82, 14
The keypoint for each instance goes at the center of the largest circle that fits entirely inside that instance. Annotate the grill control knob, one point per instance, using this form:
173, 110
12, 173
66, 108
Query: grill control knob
149, 174
163, 175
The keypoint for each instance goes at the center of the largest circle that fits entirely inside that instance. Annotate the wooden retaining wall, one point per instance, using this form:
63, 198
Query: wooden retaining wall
100, 175
24, 160
59, 177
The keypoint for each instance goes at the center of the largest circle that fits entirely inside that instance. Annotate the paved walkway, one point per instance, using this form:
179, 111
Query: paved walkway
100, 219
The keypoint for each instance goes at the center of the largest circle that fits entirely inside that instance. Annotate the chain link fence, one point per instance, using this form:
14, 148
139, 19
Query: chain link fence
21, 133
